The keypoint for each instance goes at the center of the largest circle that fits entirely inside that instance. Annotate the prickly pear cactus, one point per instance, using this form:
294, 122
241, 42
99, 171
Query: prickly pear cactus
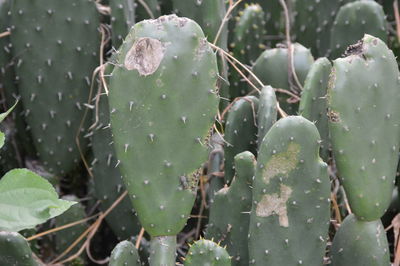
273, 16
150, 107
122, 19
353, 21
7, 83
290, 214
248, 42
209, 15
15, 250
8, 154
147, 9
365, 133
229, 218
359, 243
240, 132
272, 68
64, 238
54, 73
267, 112
249, 34
215, 165
124, 254
313, 23
206, 252
19, 142
313, 104
107, 179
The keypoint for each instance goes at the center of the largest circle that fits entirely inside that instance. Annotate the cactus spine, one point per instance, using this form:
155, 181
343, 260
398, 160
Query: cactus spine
145, 120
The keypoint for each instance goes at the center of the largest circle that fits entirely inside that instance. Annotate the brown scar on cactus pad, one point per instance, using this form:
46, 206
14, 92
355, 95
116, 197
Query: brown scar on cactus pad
145, 56
282, 163
355, 49
275, 204
333, 116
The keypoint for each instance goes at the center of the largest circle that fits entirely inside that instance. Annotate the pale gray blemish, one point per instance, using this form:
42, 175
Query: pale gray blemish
145, 56
275, 205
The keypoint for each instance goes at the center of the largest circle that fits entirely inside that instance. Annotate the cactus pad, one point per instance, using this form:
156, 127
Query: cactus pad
364, 114
163, 102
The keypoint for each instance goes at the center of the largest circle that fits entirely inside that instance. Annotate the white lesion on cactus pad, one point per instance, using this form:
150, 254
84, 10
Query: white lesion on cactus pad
275, 204
282, 163
145, 56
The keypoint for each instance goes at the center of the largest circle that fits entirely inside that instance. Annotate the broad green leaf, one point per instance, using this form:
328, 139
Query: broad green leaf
2, 116
27, 200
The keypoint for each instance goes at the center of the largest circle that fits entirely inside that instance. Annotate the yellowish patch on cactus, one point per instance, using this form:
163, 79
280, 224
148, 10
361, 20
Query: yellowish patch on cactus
275, 205
282, 163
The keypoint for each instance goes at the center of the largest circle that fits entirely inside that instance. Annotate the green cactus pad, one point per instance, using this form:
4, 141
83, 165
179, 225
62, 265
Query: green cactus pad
124, 254
313, 104
313, 23
64, 238
163, 102
363, 97
163, 251
206, 252
108, 184
291, 212
359, 243
152, 8
267, 112
209, 15
248, 38
8, 153
122, 19
273, 16
57, 44
240, 132
15, 250
249, 34
215, 162
272, 68
19, 142
353, 21
229, 212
